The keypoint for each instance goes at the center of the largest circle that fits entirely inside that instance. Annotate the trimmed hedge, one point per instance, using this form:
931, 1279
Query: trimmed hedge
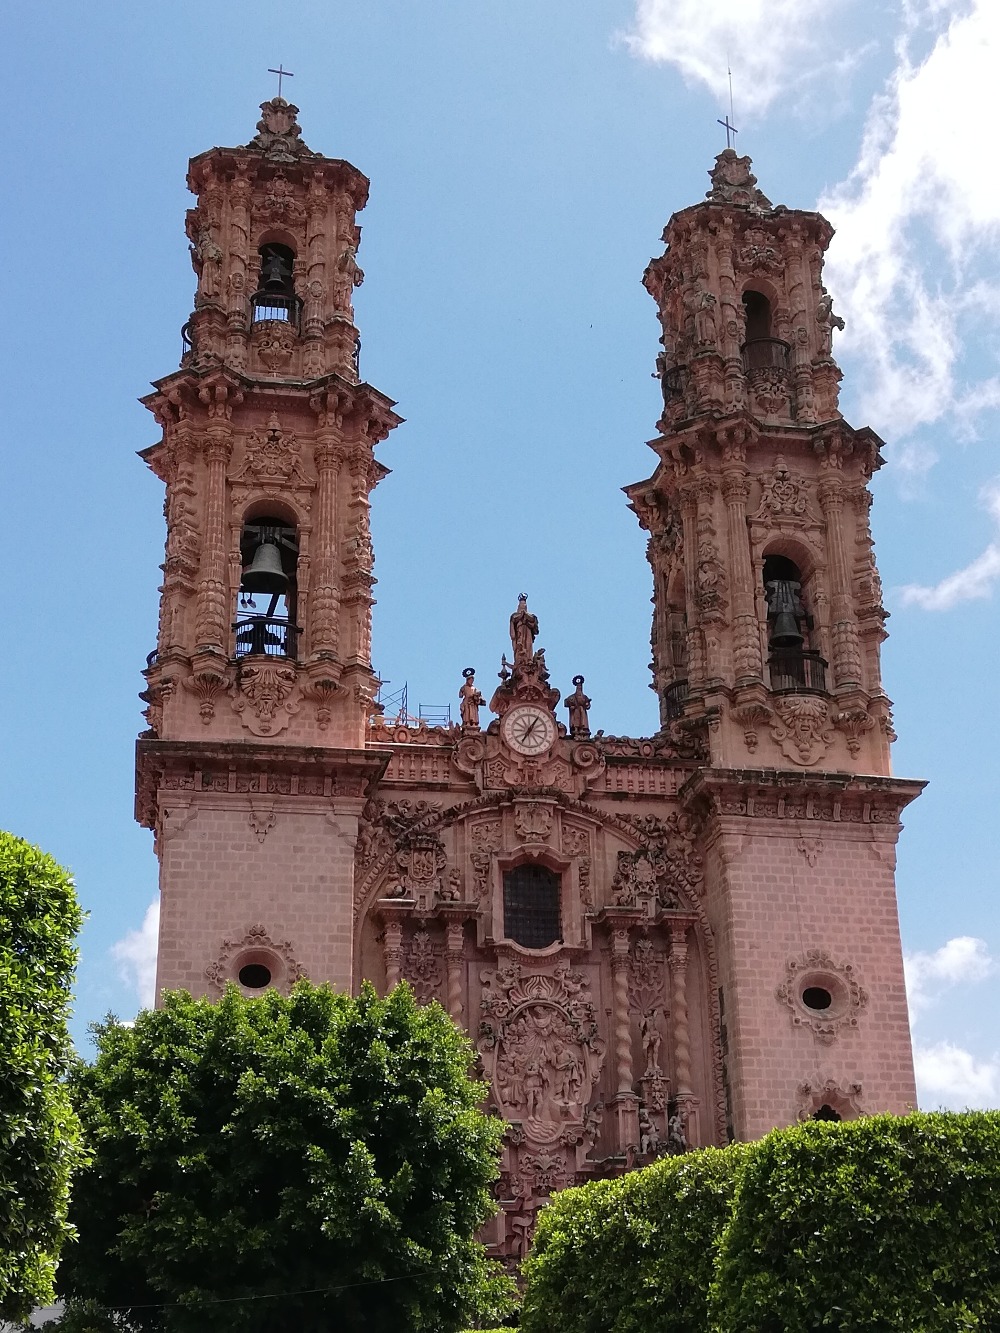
880, 1224
624, 1256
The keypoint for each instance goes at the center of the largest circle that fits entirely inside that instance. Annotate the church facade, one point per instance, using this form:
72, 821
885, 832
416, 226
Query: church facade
654, 942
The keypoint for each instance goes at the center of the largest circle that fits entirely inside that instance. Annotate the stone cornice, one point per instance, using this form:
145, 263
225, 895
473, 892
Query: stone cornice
781, 794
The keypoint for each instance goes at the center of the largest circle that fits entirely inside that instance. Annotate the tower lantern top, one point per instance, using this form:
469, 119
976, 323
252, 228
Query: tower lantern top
734, 183
279, 135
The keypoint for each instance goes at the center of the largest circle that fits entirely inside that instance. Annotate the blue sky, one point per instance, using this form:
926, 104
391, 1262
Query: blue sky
524, 158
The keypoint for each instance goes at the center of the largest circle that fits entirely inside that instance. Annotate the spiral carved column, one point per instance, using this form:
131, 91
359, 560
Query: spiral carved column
393, 949
687, 1102
211, 628
454, 956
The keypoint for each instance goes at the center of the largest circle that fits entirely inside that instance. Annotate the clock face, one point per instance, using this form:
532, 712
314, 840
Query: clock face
528, 730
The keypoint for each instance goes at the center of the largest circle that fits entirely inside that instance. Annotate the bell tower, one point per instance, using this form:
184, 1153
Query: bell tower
253, 771
767, 626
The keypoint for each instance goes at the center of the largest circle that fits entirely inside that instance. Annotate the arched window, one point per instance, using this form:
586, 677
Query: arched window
531, 915
265, 618
793, 665
761, 350
275, 295
826, 1112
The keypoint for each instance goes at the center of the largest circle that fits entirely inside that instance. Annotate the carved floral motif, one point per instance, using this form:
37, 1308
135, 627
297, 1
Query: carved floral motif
422, 966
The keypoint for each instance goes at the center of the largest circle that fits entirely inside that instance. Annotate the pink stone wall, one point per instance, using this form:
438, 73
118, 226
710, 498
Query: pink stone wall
774, 894
220, 875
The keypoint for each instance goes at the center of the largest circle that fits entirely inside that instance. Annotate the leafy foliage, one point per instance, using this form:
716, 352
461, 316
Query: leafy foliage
307, 1162
39, 1133
634, 1254
879, 1224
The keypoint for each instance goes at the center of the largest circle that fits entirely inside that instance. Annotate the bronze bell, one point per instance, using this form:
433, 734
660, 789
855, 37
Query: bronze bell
785, 632
264, 574
275, 272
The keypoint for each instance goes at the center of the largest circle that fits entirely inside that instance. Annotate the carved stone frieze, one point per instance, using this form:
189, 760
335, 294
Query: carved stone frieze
275, 341
540, 1044
784, 497
272, 458
676, 862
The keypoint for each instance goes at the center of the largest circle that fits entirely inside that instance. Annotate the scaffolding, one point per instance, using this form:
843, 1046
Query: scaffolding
395, 709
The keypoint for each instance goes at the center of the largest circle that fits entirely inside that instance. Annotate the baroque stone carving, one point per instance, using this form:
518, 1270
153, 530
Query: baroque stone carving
422, 966
264, 696
279, 135
801, 727
785, 496
533, 821
539, 1040
818, 1093
255, 946
822, 995
271, 458
675, 859
275, 341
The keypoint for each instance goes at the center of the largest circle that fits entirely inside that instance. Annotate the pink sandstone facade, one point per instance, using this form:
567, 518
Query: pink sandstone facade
654, 942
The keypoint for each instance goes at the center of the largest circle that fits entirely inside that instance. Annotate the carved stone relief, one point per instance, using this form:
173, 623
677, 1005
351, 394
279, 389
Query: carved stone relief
256, 946
263, 696
540, 1045
801, 727
822, 995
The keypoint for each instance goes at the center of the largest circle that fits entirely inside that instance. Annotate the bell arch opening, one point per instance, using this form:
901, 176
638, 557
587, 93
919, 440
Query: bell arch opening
265, 622
761, 349
275, 296
794, 664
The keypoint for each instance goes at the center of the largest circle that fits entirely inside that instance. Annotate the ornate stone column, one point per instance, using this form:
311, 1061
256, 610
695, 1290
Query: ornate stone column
392, 946
625, 1101
324, 603
454, 958
844, 629
695, 643
746, 631
212, 625
687, 1102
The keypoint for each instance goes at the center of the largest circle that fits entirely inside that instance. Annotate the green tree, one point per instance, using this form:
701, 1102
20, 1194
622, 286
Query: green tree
275, 1163
39, 1133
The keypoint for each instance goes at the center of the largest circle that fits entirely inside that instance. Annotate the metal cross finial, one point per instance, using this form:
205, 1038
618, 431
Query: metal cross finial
730, 131
282, 74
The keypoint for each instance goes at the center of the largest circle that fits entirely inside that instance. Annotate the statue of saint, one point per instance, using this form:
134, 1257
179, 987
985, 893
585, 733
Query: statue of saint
523, 628
471, 701
579, 707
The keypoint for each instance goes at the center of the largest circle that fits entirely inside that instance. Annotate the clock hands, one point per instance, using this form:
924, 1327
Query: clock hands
529, 729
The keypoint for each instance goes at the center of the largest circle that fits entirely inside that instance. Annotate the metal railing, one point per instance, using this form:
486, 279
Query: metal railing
796, 671
270, 305
266, 636
765, 354
675, 696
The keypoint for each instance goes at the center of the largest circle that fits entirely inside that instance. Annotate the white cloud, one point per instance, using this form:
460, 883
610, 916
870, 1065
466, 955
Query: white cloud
135, 954
917, 224
971, 583
769, 43
962, 960
950, 1077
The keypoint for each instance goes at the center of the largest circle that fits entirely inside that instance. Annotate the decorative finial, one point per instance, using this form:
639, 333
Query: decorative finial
278, 132
730, 129
282, 74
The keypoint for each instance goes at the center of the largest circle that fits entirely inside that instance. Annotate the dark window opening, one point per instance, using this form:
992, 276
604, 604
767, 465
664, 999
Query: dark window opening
531, 915
817, 997
758, 315
826, 1112
255, 976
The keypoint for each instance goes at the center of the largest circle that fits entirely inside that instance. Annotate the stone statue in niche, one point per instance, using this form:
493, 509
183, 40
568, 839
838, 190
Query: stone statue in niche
705, 319
471, 701
652, 1042
579, 708
677, 1133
